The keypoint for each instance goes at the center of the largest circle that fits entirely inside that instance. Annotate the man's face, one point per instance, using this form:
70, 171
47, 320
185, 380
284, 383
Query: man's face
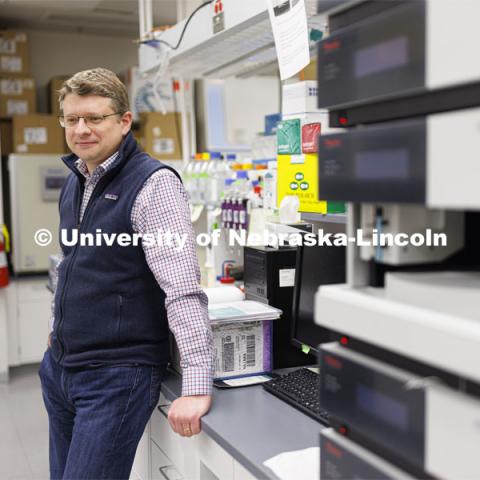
94, 143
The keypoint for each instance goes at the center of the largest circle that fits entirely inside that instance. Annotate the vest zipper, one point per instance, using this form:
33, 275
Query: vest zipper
91, 204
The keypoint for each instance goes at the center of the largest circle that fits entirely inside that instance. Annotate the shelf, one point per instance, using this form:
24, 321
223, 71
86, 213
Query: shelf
328, 217
242, 49
439, 339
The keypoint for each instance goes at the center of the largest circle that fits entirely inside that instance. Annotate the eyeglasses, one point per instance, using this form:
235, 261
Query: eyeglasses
68, 121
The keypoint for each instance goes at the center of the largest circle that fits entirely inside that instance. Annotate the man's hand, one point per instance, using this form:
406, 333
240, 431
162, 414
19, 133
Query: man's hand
49, 340
185, 414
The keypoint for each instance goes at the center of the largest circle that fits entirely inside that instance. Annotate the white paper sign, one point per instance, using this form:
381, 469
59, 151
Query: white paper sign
286, 277
290, 32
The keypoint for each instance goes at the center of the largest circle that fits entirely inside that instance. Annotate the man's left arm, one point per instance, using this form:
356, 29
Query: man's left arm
162, 208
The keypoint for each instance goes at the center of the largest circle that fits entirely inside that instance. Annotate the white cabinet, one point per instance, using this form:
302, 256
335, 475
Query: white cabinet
29, 310
213, 460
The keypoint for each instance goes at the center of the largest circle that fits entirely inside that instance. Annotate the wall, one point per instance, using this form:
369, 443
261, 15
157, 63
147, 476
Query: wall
62, 53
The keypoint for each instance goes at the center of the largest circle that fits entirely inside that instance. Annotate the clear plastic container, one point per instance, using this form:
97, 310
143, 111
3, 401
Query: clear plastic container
202, 179
270, 187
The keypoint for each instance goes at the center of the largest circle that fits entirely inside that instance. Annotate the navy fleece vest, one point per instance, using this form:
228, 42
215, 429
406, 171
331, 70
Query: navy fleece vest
109, 308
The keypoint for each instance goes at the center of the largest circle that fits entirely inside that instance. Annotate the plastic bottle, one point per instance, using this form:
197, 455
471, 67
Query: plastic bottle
202, 179
270, 187
197, 165
223, 172
239, 206
226, 203
213, 173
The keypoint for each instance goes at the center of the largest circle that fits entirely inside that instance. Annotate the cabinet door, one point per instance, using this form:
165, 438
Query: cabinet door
218, 463
33, 330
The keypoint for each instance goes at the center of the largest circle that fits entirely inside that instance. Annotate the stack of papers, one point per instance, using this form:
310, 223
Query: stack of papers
244, 311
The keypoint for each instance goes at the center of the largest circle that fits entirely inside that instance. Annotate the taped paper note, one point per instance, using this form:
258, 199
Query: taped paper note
290, 32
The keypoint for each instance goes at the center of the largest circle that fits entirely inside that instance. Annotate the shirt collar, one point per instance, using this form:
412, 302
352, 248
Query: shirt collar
100, 170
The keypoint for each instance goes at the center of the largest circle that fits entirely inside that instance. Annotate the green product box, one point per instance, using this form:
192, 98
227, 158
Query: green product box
289, 140
335, 207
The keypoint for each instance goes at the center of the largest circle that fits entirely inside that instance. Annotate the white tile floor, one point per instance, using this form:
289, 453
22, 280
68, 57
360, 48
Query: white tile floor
23, 427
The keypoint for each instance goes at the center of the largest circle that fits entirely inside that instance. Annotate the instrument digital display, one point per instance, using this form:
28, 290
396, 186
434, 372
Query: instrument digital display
381, 57
382, 164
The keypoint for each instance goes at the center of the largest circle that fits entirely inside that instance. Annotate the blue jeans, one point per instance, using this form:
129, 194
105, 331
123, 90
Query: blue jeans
97, 416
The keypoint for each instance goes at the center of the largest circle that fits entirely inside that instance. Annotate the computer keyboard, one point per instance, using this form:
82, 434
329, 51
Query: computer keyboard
300, 389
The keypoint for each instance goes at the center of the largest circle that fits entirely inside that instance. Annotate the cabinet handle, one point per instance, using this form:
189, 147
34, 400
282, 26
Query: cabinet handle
164, 472
163, 409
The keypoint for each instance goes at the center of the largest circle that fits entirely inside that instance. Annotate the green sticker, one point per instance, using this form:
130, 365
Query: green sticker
299, 176
305, 349
304, 185
293, 186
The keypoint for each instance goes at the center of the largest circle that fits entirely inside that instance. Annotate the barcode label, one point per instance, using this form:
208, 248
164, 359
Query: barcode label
164, 146
17, 107
7, 46
250, 350
228, 358
11, 64
11, 87
35, 136
239, 348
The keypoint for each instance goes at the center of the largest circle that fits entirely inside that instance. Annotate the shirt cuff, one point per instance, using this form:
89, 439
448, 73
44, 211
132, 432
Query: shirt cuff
196, 381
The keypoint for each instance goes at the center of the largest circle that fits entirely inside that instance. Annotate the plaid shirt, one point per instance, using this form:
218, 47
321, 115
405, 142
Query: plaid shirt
162, 206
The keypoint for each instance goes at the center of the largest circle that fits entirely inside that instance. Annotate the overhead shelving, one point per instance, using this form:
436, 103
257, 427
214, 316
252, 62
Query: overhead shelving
244, 47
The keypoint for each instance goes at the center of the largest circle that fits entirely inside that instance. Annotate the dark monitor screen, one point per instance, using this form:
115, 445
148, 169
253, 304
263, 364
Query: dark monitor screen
316, 265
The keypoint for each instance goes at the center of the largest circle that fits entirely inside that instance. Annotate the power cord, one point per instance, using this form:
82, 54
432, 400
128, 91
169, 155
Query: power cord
159, 41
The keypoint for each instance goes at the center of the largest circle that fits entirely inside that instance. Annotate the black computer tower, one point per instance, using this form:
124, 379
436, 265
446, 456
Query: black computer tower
268, 277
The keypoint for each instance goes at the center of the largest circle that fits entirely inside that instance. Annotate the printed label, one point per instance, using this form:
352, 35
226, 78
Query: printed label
11, 87
7, 46
17, 107
11, 64
238, 349
164, 146
35, 135
286, 277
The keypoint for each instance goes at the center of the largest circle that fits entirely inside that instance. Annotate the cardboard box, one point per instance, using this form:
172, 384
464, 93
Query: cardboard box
142, 96
37, 133
54, 85
299, 98
14, 52
17, 95
310, 134
298, 175
160, 135
310, 71
289, 137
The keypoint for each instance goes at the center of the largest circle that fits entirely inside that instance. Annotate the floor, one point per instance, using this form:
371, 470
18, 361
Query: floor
23, 427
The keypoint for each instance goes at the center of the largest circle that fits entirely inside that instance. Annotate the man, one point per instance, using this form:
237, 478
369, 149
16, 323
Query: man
114, 304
